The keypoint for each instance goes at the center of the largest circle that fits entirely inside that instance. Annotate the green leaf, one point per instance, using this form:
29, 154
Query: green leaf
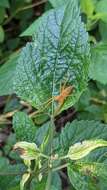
3, 163
77, 180
7, 71
8, 179
12, 104
98, 66
88, 176
4, 3
101, 10
15, 188
57, 3
40, 73
9, 143
78, 131
82, 149
2, 35
87, 7
103, 31
56, 183
2, 14
94, 169
101, 6
100, 16
24, 127
42, 133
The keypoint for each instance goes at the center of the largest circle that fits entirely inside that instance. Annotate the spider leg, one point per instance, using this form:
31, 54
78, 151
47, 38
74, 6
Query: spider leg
59, 107
64, 84
60, 88
45, 104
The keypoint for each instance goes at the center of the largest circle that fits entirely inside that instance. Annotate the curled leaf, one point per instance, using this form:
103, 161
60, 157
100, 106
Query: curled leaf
82, 149
28, 151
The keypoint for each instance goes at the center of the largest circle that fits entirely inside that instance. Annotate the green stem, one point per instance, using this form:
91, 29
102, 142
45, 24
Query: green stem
44, 156
52, 130
63, 157
49, 179
60, 167
28, 184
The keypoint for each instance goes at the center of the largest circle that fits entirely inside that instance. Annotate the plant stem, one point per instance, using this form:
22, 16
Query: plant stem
51, 136
63, 157
28, 184
60, 167
44, 156
49, 179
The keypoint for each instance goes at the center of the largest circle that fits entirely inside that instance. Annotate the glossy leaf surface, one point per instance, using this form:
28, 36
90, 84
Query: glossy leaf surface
59, 54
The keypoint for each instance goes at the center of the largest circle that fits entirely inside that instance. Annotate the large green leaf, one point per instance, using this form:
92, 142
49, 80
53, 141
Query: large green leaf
90, 173
88, 176
58, 54
24, 127
98, 67
77, 180
78, 131
7, 72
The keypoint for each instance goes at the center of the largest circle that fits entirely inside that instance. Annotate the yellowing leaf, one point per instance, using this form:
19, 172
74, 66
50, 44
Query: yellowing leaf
28, 151
25, 177
82, 149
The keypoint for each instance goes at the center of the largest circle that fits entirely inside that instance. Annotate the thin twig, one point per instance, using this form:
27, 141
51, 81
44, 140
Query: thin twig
22, 9
33, 5
7, 115
5, 122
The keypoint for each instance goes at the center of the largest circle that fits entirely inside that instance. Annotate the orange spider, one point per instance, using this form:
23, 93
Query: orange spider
64, 93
